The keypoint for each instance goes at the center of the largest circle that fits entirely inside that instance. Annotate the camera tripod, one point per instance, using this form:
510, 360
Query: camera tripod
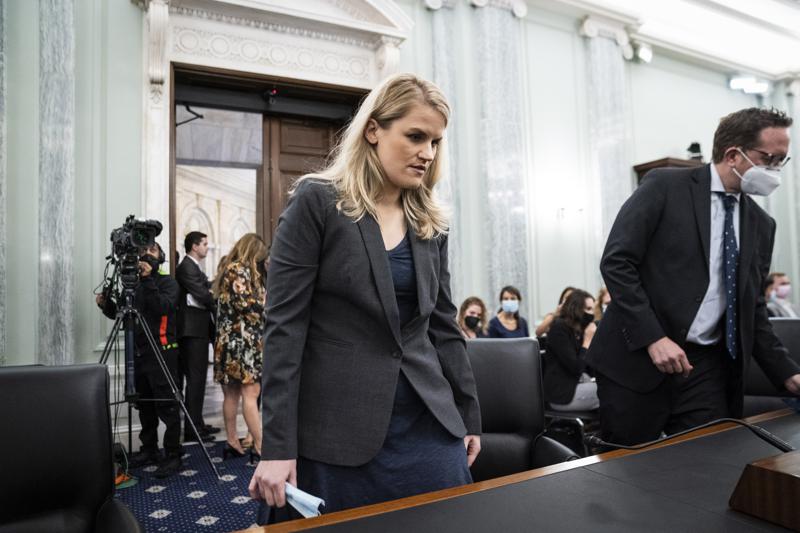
127, 315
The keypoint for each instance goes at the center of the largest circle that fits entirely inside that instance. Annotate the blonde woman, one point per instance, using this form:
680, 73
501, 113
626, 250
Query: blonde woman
371, 395
601, 303
239, 289
473, 318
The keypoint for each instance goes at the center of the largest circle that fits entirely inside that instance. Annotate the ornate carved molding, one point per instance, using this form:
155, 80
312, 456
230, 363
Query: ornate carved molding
594, 26
274, 27
387, 58
273, 53
352, 10
518, 7
157, 24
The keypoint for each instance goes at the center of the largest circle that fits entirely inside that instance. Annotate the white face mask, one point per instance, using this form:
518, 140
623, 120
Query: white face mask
758, 180
783, 291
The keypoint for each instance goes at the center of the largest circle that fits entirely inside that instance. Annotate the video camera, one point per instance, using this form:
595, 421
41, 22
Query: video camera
127, 243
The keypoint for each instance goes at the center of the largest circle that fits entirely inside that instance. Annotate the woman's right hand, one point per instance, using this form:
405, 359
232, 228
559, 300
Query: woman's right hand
588, 334
269, 481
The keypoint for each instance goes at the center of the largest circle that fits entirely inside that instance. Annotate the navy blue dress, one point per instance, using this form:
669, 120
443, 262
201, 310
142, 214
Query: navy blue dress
497, 330
419, 454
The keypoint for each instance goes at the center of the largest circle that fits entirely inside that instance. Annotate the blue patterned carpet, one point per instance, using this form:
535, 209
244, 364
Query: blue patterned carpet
193, 499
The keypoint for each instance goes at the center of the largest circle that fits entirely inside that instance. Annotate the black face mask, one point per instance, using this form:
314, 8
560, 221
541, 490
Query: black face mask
586, 319
472, 322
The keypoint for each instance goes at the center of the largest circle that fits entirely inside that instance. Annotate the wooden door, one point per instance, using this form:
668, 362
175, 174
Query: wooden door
294, 147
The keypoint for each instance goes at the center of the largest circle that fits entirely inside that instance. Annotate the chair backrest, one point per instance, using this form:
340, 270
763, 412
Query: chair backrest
756, 382
509, 381
56, 448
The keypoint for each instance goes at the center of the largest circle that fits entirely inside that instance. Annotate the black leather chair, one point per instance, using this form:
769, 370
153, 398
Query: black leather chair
760, 395
509, 382
56, 469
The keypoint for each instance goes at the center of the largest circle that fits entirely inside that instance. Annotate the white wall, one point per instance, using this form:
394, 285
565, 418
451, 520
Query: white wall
108, 106
674, 104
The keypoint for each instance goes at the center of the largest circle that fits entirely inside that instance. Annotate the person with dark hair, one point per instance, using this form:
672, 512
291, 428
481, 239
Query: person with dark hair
195, 331
567, 386
155, 297
508, 324
544, 325
472, 318
685, 264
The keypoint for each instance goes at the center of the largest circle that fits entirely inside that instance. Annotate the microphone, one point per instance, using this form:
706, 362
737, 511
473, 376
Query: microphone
760, 432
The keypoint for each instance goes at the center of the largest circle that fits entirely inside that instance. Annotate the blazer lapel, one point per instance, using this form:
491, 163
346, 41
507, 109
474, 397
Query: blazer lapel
748, 226
376, 251
701, 199
421, 250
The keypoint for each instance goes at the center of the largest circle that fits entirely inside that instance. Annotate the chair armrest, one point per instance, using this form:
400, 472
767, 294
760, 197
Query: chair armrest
547, 451
115, 516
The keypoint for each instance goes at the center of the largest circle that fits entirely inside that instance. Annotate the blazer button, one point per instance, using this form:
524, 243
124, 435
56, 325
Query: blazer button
698, 299
397, 354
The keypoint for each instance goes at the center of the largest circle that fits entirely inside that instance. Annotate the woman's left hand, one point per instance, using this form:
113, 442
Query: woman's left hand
473, 445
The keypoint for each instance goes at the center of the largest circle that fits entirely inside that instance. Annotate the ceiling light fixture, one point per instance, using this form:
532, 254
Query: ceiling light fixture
644, 52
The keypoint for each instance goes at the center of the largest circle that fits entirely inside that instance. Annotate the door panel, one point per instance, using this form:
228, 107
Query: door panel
296, 147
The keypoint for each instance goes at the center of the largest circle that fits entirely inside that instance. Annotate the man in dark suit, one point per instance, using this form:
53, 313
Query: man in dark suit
685, 263
195, 330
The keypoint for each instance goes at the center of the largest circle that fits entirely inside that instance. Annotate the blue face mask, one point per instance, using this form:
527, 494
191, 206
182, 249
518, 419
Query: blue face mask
510, 306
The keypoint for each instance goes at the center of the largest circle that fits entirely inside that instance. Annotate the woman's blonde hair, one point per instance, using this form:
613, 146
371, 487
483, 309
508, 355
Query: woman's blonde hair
356, 171
598, 303
249, 251
462, 313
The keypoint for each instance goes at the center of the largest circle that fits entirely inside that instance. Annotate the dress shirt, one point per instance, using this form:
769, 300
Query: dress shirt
190, 300
705, 327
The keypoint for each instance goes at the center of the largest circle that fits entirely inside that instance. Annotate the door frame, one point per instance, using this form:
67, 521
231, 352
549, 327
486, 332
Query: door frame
265, 185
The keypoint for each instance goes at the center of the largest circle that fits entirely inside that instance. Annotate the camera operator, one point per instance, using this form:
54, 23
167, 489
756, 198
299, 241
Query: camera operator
155, 297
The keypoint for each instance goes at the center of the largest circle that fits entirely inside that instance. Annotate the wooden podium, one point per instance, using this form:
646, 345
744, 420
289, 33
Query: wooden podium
770, 489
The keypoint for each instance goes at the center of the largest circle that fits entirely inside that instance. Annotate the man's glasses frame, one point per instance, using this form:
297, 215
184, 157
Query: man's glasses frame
773, 161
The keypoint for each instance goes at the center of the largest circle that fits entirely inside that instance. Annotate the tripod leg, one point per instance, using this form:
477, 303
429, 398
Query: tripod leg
178, 397
112, 337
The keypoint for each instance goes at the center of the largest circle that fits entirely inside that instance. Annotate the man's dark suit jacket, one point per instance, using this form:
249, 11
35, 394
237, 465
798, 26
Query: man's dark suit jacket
334, 348
194, 321
655, 266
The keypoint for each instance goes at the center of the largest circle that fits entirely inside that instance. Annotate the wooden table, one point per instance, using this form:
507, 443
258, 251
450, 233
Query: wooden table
681, 485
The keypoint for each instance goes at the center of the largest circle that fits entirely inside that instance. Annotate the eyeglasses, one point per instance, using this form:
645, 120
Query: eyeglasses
772, 160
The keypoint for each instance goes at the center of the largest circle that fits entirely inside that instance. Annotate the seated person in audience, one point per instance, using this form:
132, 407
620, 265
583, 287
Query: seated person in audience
777, 293
567, 387
600, 304
472, 318
544, 325
508, 324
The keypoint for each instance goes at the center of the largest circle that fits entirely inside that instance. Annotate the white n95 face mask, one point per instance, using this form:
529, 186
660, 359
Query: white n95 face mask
757, 180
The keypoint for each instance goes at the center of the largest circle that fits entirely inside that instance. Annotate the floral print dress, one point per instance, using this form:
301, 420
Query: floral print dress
240, 327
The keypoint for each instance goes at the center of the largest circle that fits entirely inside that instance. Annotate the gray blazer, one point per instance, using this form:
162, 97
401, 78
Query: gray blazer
334, 348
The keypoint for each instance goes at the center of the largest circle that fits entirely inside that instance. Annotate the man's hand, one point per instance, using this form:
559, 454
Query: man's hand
100, 300
145, 269
792, 384
269, 479
473, 445
669, 358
